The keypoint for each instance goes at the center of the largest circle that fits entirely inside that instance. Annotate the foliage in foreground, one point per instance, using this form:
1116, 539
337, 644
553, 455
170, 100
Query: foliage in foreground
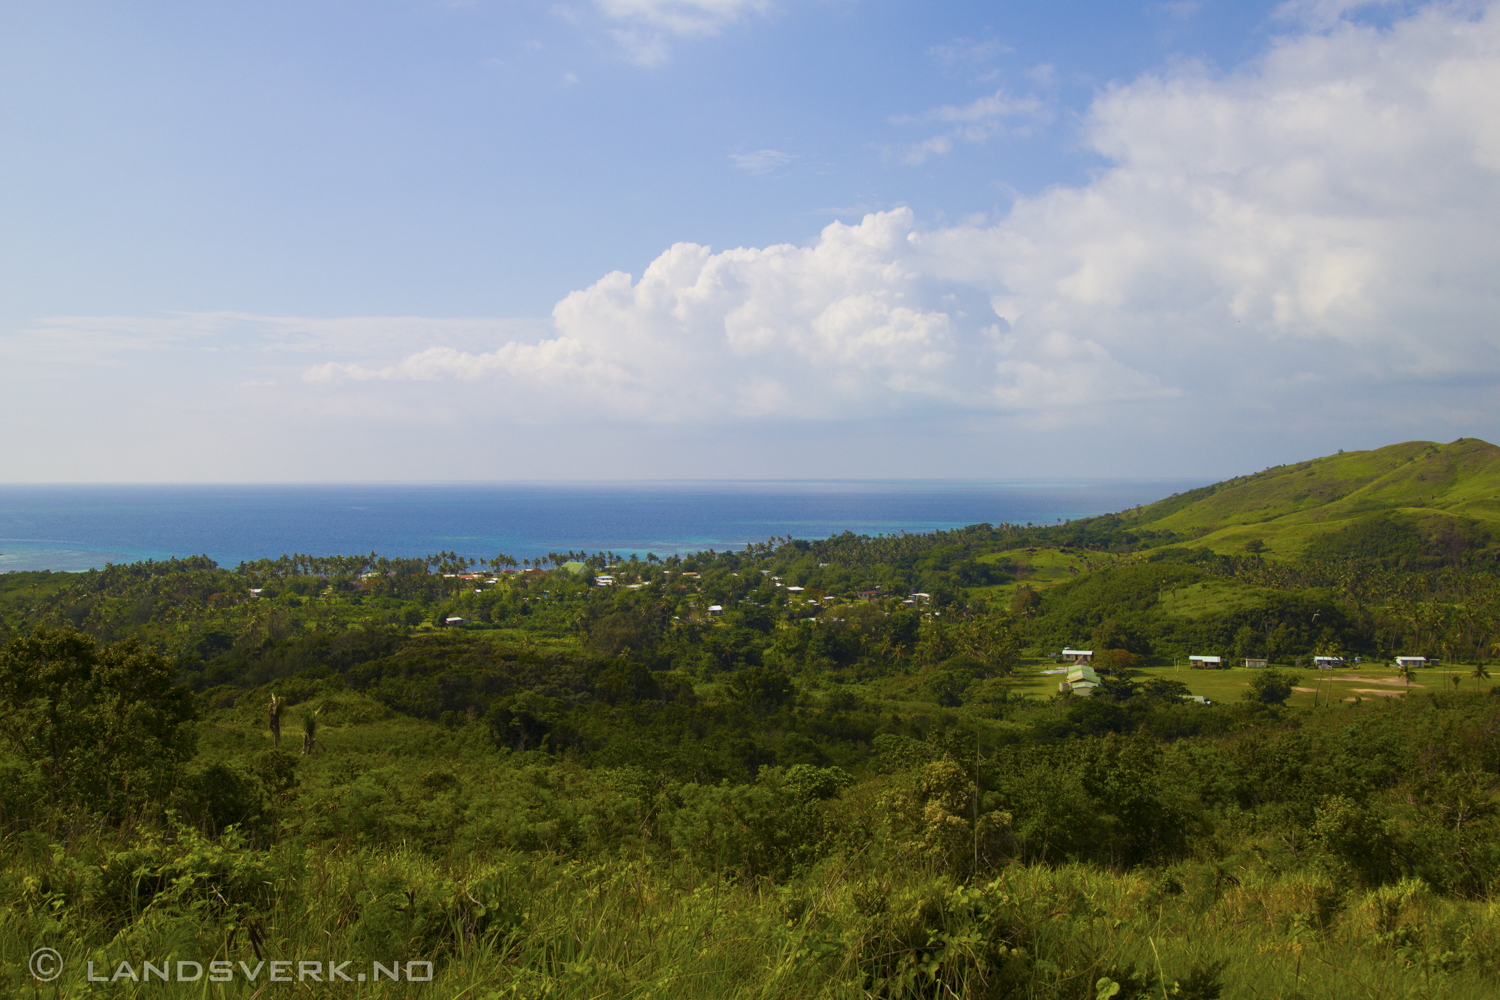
1356, 846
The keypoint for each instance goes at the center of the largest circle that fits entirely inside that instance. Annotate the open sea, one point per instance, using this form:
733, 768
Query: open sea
74, 528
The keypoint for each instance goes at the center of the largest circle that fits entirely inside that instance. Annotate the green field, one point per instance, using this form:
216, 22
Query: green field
1432, 486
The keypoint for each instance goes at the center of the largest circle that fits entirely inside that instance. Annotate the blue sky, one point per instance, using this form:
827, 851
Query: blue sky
740, 238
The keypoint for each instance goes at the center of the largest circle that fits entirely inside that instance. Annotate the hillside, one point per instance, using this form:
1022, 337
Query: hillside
810, 768
1443, 497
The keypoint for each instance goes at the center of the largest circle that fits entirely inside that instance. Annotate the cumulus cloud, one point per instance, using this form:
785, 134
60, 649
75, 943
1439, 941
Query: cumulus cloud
648, 26
857, 324
1341, 193
827, 330
1312, 234
1329, 213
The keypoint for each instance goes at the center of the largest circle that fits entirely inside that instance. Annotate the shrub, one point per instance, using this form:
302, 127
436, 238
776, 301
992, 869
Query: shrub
1271, 687
104, 727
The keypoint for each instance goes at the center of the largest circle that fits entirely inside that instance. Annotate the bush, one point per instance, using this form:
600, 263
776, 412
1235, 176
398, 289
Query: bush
1271, 687
103, 727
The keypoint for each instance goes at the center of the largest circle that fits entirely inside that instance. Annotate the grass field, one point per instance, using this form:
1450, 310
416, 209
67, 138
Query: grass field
1347, 684
1286, 507
1041, 568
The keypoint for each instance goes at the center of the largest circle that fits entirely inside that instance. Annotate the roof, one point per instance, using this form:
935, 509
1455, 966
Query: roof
1208, 659
1078, 652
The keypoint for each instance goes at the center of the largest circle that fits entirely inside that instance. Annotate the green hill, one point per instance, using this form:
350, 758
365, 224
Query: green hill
1401, 499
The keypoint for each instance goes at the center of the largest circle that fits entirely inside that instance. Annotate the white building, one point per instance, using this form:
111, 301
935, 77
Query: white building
1205, 662
1078, 655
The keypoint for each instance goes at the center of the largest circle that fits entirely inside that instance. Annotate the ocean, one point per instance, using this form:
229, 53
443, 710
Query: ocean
73, 527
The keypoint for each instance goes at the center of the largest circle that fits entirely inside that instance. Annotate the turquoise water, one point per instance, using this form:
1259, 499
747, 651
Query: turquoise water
78, 527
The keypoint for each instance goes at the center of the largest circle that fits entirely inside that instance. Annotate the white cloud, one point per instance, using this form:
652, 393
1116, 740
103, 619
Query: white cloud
857, 324
1334, 207
1309, 239
762, 161
648, 26
965, 50
1342, 193
977, 122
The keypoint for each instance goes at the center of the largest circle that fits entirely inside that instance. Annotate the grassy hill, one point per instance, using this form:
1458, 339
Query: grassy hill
1414, 496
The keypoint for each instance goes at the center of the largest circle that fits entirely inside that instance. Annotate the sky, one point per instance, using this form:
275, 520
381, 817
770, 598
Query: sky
741, 239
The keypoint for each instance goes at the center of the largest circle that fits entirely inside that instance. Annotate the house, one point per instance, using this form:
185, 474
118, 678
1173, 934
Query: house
1414, 661
1328, 662
716, 609
1196, 699
794, 590
455, 620
1081, 680
1078, 655
1206, 662
1253, 663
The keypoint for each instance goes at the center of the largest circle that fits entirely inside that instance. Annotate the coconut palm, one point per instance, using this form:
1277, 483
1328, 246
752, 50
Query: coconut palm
309, 730
1479, 673
275, 720
1407, 672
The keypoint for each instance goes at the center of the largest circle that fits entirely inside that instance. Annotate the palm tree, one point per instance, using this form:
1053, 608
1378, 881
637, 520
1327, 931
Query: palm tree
1407, 671
1479, 673
275, 720
310, 730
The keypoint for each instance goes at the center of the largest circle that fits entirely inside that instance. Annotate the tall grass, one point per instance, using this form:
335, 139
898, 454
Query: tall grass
533, 925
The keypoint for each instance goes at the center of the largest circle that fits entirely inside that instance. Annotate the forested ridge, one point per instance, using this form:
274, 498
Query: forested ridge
839, 767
